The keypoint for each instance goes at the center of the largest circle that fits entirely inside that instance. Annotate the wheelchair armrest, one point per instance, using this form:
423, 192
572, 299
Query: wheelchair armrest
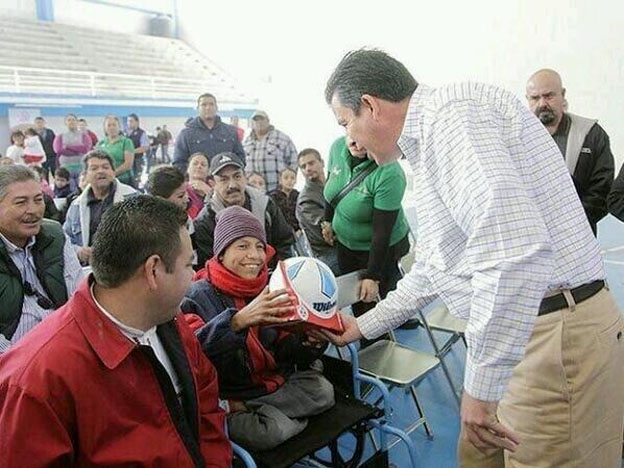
243, 455
375, 382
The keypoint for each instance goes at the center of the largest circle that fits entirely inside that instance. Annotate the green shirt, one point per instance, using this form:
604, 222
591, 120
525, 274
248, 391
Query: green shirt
116, 151
382, 189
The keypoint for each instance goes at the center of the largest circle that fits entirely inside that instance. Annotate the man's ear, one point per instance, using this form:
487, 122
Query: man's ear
563, 90
151, 271
372, 104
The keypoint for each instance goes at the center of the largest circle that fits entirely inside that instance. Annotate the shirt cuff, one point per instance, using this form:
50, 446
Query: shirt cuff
370, 326
486, 383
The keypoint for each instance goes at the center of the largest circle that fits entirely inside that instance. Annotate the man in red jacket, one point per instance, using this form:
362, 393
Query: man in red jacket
114, 378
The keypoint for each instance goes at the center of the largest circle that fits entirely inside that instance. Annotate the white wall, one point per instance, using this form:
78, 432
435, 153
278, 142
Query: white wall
85, 14
22, 8
297, 44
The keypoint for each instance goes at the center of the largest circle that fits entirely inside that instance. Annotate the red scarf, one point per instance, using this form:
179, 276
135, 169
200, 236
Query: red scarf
242, 290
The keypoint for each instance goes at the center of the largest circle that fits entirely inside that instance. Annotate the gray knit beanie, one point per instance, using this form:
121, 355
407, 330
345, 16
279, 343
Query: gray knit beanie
233, 223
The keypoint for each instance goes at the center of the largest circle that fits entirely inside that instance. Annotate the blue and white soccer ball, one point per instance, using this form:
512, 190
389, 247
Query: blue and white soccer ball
314, 283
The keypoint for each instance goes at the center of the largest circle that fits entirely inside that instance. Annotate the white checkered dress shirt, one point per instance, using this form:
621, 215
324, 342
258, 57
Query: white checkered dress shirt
499, 225
270, 155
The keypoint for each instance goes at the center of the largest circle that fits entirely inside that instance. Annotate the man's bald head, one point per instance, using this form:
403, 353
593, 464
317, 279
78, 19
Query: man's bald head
546, 96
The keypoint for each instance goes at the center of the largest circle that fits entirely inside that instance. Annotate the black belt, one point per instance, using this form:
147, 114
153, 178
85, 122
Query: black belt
558, 301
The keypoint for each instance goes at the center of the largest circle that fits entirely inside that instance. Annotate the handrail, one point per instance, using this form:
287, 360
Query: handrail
95, 74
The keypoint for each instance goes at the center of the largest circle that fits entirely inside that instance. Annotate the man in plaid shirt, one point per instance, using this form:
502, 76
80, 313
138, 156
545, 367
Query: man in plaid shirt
268, 150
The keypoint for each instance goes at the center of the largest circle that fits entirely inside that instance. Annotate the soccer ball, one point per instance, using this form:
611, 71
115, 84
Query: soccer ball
313, 283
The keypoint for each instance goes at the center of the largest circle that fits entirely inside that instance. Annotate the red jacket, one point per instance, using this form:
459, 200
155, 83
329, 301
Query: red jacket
75, 392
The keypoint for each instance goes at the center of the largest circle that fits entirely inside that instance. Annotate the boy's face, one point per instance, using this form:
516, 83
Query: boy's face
60, 182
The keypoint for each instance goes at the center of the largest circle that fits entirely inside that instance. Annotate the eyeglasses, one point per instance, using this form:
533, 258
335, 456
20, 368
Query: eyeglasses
42, 301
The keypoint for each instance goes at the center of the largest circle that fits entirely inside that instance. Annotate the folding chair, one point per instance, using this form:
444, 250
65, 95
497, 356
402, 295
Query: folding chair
439, 319
394, 364
350, 414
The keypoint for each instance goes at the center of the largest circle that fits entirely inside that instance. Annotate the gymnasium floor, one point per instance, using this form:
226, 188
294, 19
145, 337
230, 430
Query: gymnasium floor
434, 392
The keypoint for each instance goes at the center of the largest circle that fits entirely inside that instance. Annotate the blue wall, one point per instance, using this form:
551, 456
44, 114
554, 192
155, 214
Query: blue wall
90, 110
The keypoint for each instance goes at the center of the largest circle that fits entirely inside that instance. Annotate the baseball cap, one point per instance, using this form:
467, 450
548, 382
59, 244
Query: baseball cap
259, 113
222, 160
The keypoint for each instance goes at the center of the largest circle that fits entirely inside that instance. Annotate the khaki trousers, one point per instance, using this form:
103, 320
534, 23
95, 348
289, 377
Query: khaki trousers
566, 397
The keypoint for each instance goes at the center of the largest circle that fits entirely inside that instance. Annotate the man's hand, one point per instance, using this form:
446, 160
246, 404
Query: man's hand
84, 255
268, 308
352, 332
201, 187
369, 289
482, 428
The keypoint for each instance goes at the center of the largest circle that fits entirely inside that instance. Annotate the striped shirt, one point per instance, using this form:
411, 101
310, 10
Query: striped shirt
32, 313
269, 155
499, 225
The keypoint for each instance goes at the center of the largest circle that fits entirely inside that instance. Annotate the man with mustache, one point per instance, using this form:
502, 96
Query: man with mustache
231, 189
583, 143
86, 211
38, 266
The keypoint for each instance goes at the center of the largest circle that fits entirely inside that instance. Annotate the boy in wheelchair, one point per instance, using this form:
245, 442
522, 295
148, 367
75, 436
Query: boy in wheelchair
269, 375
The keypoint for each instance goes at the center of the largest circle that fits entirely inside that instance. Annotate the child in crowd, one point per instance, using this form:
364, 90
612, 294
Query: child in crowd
256, 181
62, 188
51, 211
34, 155
286, 197
16, 150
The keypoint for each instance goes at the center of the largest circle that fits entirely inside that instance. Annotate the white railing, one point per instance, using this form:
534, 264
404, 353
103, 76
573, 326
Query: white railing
95, 84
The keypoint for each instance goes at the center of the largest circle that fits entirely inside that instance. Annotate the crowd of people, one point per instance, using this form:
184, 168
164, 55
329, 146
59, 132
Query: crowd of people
136, 321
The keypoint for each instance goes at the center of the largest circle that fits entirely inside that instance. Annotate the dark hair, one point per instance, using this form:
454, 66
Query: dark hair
206, 95
31, 132
369, 71
133, 116
71, 115
82, 120
39, 118
97, 154
17, 133
306, 151
40, 172
130, 232
62, 172
162, 182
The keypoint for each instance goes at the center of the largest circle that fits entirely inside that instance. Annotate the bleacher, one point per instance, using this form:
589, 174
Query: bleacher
57, 59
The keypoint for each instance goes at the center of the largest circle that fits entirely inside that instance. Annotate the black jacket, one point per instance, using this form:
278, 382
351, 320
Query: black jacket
594, 172
197, 138
615, 200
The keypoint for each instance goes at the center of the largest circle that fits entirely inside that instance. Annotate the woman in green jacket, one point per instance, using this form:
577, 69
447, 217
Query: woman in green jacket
120, 148
368, 225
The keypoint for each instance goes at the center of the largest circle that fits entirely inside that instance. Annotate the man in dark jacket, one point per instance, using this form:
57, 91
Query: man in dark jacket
615, 200
39, 268
46, 136
231, 189
206, 134
311, 207
583, 143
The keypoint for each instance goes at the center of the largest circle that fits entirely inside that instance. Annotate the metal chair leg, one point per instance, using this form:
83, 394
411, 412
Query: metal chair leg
421, 412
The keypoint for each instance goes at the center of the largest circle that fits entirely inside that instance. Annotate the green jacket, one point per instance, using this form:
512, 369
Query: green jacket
382, 189
50, 263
